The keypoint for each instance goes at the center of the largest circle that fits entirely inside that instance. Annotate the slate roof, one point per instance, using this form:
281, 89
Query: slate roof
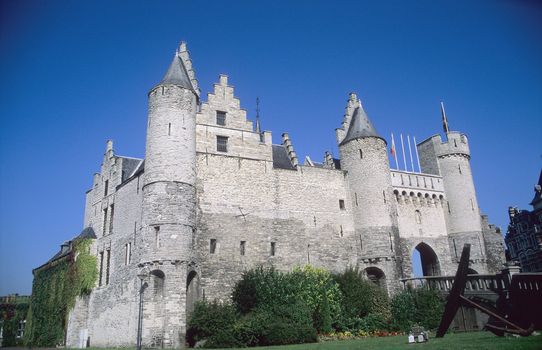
281, 159
177, 74
88, 232
360, 126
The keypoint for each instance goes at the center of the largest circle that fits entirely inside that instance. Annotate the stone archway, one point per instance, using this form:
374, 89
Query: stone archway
377, 276
428, 260
192, 292
155, 309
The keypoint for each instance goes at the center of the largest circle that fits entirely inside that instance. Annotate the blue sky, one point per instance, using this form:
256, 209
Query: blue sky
76, 73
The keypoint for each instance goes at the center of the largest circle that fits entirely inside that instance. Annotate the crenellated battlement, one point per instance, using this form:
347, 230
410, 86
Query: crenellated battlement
456, 144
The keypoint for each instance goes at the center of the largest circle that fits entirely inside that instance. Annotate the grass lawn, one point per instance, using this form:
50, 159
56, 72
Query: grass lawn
460, 341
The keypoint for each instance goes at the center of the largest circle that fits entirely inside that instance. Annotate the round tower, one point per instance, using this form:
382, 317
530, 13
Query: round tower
363, 155
169, 203
461, 210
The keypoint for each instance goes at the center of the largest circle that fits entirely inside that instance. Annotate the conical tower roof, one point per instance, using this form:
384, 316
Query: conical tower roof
360, 126
177, 74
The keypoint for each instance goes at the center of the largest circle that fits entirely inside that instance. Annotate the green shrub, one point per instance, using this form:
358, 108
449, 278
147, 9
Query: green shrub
262, 286
267, 287
322, 295
213, 322
417, 306
279, 325
361, 298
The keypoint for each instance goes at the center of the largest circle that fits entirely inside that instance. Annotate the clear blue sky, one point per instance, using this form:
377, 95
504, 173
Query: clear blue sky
76, 73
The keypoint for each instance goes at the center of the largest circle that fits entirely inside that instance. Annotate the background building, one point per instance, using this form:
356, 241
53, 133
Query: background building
524, 235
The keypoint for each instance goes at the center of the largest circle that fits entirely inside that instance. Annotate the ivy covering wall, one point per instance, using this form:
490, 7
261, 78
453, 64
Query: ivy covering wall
10, 316
54, 291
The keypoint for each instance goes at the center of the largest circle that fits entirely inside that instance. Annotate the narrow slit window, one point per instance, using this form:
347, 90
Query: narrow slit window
169, 129
105, 222
341, 204
106, 187
273, 248
220, 118
361, 154
356, 197
242, 247
108, 265
157, 236
100, 279
129, 252
212, 246
111, 213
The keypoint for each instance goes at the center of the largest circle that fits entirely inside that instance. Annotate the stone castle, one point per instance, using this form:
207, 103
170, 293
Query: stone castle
214, 197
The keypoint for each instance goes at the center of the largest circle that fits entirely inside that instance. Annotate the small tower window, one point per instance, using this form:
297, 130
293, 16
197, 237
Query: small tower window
222, 144
356, 198
361, 154
157, 236
212, 246
341, 204
273, 247
242, 247
459, 168
106, 187
169, 129
220, 118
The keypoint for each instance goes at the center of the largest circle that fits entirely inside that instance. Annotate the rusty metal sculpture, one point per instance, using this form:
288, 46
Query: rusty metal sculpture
500, 321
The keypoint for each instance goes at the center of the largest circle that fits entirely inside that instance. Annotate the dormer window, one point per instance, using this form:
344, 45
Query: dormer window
220, 118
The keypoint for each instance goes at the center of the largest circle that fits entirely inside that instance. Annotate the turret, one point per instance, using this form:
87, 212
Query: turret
363, 155
169, 199
450, 158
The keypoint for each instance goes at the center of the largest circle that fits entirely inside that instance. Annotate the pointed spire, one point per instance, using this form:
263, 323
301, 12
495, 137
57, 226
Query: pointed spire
177, 74
444, 119
360, 126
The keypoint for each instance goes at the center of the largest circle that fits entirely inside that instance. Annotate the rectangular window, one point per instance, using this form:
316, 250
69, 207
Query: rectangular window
105, 222
20, 329
242, 247
222, 144
212, 246
101, 269
112, 211
108, 264
220, 118
129, 252
341, 204
106, 187
273, 247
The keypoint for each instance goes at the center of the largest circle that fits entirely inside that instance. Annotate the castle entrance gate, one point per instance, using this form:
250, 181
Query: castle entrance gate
428, 260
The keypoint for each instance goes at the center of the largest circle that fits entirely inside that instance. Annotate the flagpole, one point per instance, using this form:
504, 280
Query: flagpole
417, 155
410, 152
394, 152
403, 148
